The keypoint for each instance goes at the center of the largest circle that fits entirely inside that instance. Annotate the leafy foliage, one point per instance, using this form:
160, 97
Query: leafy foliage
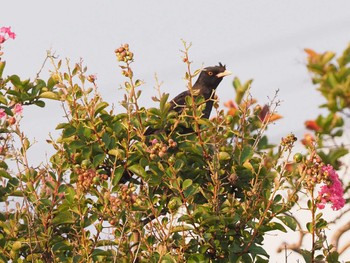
209, 195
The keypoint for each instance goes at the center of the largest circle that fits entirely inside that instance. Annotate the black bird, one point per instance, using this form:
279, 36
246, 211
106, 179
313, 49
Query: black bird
206, 84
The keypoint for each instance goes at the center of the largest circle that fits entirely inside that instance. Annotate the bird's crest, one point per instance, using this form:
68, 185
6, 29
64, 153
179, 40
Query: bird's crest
218, 66
223, 66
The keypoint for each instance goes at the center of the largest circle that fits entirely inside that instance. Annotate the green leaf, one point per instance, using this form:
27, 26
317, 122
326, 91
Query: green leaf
63, 217
3, 99
16, 81
44, 202
174, 203
179, 164
75, 145
186, 184
309, 204
138, 83
118, 172
163, 101
306, 255
246, 154
257, 250
83, 131
289, 221
5, 174
119, 153
327, 57
61, 246
309, 227
191, 190
98, 159
205, 122
332, 81
40, 84
100, 107
39, 103
337, 153
333, 257
319, 216
90, 220
181, 228
234, 258
274, 226
154, 111
100, 255
138, 170
277, 198
49, 95
261, 260
13, 183
14, 93
236, 83
197, 258
224, 156
321, 223
62, 126
167, 259
338, 133
51, 83
66, 76
3, 165
106, 139
2, 66
69, 194
76, 259
68, 131
128, 86
188, 100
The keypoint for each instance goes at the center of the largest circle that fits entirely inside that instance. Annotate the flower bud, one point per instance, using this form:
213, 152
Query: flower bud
11, 120
298, 157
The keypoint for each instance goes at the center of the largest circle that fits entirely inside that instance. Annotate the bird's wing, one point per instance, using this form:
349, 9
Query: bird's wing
177, 104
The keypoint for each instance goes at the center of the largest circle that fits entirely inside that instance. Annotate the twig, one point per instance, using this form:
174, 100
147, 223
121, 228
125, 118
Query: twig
48, 55
296, 247
337, 235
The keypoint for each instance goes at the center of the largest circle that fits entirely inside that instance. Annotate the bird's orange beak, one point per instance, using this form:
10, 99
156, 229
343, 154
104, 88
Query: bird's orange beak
223, 74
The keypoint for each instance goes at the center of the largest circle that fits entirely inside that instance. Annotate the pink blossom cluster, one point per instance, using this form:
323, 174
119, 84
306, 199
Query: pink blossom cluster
16, 110
332, 191
6, 33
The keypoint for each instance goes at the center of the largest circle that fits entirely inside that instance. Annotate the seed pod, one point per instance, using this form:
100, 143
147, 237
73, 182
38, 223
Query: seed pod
161, 154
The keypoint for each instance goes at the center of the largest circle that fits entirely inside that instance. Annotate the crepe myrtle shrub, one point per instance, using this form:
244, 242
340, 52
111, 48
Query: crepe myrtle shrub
328, 144
209, 195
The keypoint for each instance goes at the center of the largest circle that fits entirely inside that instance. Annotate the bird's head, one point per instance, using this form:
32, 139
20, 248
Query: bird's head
212, 76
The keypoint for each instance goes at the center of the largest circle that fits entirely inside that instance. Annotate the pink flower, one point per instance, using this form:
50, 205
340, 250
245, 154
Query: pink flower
332, 191
6, 31
17, 109
2, 114
11, 35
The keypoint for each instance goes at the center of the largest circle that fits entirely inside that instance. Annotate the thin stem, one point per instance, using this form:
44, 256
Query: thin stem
313, 226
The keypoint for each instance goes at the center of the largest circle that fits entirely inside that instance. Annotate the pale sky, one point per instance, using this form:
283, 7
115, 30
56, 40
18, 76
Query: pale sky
262, 40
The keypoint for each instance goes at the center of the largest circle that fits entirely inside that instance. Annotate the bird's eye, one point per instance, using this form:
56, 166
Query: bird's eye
210, 73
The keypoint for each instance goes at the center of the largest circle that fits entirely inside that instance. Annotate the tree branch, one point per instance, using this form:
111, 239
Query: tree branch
337, 235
